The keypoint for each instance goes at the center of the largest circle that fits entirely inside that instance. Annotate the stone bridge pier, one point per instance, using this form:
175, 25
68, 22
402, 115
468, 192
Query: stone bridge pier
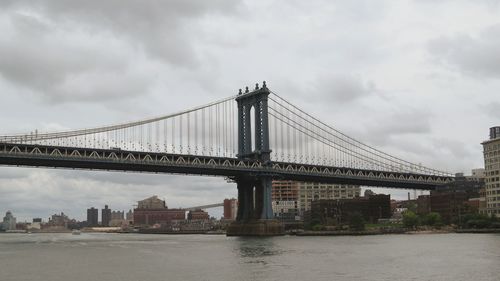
255, 214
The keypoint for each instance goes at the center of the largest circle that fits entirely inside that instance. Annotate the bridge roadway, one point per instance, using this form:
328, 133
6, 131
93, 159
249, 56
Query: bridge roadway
120, 160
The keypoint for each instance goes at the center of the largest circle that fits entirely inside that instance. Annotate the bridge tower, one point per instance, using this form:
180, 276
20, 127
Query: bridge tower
255, 214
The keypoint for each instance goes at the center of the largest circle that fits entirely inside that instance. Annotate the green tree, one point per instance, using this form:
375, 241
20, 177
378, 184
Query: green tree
317, 227
474, 221
412, 207
432, 219
356, 222
410, 219
314, 222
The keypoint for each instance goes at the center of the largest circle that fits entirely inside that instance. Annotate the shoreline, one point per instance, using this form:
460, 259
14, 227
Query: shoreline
297, 233
402, 231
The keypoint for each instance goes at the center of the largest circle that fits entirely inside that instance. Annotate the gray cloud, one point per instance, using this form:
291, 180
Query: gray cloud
343, 88
473, 55
357, 65
490, 4
61, 67
409, 121
333, 88
397, 131
155, 26
492, 109
67, 51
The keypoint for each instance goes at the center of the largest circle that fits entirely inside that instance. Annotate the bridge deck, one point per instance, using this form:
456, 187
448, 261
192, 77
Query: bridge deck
120, 160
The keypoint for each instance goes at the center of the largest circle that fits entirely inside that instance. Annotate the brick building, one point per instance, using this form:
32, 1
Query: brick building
230, 209
143, 217
152, 211
198, 215
339, 211
449, 204
423, 204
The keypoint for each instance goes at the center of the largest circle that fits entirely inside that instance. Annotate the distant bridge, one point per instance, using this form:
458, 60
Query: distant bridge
204, 207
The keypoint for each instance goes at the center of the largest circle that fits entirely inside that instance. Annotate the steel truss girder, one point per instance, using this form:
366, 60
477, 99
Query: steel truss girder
85, 158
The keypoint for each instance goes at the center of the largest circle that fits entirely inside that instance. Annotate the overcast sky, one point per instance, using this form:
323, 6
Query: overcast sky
419, 79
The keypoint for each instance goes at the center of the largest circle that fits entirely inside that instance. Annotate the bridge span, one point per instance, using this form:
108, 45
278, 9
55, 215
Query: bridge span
112, 160
252, 138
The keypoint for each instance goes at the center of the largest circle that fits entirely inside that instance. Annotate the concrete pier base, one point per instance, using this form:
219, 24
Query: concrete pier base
256, 228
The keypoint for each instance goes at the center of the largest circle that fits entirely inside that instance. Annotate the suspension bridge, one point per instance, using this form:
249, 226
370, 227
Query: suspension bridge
251, 138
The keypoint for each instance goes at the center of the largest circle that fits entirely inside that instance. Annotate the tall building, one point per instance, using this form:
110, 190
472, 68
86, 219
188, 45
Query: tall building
230, 209
491, 151
117, 218
92, 217
290, 200
105, 216
117, 215
9, 221
130, 215
482, 201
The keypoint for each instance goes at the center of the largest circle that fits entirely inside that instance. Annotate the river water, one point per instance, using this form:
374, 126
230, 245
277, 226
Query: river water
138, 257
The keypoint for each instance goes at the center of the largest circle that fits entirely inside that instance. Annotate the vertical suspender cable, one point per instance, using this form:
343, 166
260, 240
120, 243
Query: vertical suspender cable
210, 124
174, 150
203, 131
181, 132
188, 133
196, 132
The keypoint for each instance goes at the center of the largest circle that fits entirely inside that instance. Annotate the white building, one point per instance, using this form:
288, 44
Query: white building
9, 221
491, 151
291, 199
477, 174
309, 192
36, 224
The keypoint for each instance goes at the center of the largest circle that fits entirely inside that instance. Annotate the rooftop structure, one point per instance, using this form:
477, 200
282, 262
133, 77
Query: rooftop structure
152, 202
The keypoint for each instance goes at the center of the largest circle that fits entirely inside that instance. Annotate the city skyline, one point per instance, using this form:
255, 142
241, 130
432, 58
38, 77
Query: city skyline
216, 212
428, 97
